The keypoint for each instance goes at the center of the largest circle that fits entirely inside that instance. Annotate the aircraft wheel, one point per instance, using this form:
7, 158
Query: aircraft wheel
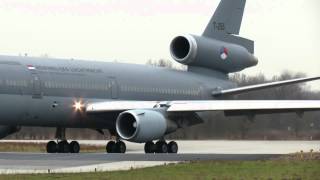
74, 147
162, 147
52, 147
120, 147
110, 148
149, 147
63, 147
173, 147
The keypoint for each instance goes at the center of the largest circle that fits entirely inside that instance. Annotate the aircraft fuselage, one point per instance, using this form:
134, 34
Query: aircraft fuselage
42, 91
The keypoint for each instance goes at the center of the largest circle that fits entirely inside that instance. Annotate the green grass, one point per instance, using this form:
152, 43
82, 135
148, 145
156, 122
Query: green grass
271, 169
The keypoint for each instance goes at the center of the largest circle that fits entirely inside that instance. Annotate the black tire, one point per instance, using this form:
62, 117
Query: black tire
74, 147
149, 147
110, 148
120, 147
162, 147
52, 147
173, 147
64, 147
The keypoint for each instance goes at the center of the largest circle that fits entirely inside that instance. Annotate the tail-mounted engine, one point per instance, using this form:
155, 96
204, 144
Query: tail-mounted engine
210, 53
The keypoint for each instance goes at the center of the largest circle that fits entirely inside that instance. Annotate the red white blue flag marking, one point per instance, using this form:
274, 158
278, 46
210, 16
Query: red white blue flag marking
224, 53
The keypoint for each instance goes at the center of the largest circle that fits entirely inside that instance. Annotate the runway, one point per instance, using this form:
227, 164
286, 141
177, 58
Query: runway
86, 162
65, 160
13, 162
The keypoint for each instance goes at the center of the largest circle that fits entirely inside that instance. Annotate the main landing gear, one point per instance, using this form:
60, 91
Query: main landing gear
161, 147
62, 145
116, 147
150, 147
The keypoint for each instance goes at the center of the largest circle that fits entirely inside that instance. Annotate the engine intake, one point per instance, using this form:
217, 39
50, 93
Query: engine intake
127, 125
143, 125
183, 49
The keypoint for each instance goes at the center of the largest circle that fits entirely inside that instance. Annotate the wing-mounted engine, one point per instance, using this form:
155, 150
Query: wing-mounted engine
144, 125
210, 53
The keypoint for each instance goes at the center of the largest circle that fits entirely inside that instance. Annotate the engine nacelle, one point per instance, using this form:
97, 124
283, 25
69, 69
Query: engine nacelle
210, 53
143, 125
8, 130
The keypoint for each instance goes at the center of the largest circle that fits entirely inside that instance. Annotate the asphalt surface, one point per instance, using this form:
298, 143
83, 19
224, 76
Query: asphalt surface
45, 161
14, 162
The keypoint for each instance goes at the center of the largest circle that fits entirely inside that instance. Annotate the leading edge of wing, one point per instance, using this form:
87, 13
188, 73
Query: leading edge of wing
245, 105
262, 86
206, 105
110, 106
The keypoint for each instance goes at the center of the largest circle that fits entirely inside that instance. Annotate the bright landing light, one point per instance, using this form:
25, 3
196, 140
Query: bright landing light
78, 106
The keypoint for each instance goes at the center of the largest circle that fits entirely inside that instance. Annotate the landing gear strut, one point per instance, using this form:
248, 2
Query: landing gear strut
62, 145
161, 147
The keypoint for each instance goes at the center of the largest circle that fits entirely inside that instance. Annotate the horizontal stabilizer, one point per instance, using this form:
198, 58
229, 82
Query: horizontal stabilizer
246, 43
261, 86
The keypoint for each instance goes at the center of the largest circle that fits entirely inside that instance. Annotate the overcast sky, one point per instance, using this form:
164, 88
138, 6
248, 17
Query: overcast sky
286, 32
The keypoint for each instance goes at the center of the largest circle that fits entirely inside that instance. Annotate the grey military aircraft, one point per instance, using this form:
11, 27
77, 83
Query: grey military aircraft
138, 103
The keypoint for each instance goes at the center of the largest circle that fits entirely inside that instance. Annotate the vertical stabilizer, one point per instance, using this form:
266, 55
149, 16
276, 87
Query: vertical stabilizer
226, 22
226, 19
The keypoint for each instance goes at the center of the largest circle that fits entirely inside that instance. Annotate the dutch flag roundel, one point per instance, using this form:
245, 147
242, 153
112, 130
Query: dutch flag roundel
224, 52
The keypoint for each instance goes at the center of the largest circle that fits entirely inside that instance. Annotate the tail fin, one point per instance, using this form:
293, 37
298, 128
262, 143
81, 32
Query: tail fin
227, 18
226, 23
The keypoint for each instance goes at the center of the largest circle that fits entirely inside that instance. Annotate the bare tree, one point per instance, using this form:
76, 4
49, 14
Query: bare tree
160, 63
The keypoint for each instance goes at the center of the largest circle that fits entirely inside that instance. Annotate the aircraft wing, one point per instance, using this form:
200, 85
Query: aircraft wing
231, 107
245, 105
111, 106
261, 86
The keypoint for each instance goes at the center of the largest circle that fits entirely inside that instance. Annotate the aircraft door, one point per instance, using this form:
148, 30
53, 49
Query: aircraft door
113, 87
36, 86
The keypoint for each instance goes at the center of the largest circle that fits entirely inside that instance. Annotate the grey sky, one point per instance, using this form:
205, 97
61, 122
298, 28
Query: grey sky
286, 32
